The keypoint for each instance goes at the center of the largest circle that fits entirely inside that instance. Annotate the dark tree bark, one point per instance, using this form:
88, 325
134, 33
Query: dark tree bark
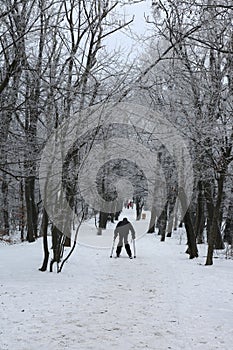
117, 214
200, 215
215, 229
112, 215
21, 211
162, 223
31, 209
176, 215
153, 216
228, 231
191, 238
139, 206
6, 224
8, 101
44, 233
181, 224
58, 247
171, 216
103, 219
208, 192
211, 212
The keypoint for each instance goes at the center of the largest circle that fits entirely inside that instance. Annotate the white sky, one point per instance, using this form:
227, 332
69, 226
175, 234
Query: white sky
129, 40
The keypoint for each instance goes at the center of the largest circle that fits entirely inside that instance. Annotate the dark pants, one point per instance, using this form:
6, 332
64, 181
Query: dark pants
127, 248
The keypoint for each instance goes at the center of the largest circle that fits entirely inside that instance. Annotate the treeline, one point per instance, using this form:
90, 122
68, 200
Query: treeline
193, 88
54, 63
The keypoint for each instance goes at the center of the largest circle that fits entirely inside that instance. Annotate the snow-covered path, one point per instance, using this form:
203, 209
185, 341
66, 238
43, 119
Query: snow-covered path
160, 300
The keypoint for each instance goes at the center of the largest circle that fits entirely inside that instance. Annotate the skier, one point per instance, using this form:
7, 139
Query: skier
123, 227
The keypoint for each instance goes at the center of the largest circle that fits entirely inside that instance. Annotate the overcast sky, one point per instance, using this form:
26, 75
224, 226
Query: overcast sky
126, 40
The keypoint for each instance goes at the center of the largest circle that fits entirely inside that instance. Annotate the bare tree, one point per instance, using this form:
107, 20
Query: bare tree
191, 84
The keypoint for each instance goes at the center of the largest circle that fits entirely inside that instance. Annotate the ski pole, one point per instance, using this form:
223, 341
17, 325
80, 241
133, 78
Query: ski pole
113, 244
134, 248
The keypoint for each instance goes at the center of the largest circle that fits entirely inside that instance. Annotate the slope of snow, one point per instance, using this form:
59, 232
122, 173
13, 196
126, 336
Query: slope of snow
160, 300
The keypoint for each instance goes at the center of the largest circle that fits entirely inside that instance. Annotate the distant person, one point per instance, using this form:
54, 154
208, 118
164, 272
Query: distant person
130, 204
123, 228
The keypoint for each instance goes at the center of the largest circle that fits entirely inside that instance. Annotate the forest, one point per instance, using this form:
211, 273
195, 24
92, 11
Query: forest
85, 128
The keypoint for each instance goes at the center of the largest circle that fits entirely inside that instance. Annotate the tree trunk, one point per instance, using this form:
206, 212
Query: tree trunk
103, 218
6, 224
208, 191
112, 215
139, 206
191, 238
228, 231
176, 215
117, 214
200, 215
21, 211
162, 223
153, 216
171, 215
215, 229
44, 232
31, 209
58, 247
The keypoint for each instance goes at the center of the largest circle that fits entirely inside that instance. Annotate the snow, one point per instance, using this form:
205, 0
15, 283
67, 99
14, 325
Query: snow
160, 300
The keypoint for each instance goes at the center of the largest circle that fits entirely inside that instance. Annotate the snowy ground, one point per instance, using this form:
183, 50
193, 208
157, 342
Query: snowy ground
160, 300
